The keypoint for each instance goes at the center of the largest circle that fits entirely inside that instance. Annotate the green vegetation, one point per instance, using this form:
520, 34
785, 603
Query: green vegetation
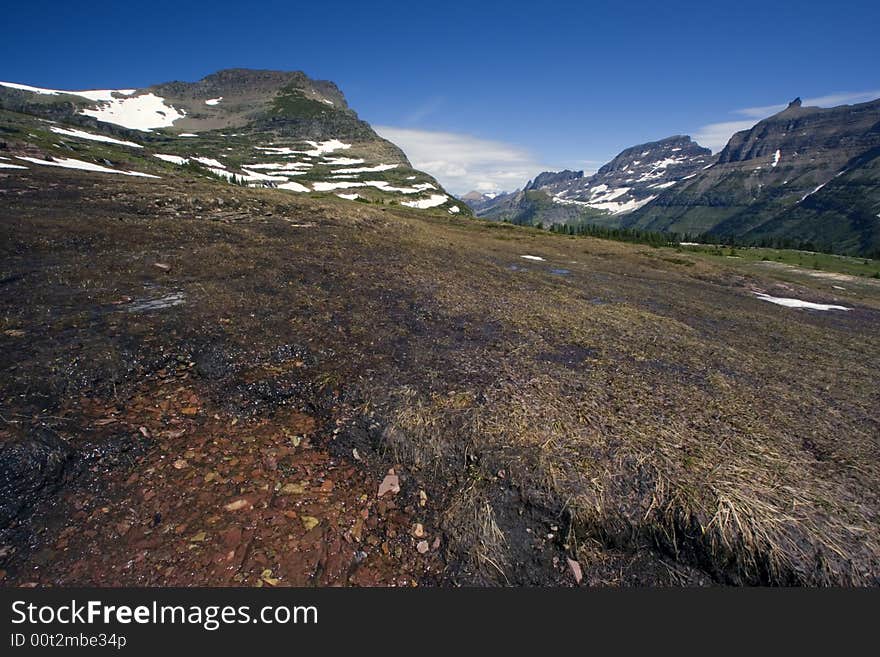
632, 235
851, 265
292, 102
728, 247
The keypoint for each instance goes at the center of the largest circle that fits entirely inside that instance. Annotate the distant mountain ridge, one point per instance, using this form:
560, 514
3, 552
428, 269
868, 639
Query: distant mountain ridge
633, 178
806, 175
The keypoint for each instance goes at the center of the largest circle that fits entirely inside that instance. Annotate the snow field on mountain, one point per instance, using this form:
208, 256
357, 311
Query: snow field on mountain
70, 163
79, 134
145, 112
93, 94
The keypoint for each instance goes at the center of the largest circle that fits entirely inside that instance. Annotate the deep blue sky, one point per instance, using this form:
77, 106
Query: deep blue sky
564, 84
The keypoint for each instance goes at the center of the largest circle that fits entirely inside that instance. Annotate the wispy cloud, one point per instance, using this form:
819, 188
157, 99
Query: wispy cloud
462, 162
427, 108
716, 135
829, 100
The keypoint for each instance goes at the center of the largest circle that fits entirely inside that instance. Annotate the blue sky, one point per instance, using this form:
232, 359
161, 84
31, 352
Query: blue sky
480, 94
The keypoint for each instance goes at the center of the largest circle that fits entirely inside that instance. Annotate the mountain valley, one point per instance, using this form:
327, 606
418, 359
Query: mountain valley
243, 342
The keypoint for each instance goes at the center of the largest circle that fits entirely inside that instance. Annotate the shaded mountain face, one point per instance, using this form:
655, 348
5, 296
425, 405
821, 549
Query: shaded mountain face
805, 174
635, 177
258, 128
553, 178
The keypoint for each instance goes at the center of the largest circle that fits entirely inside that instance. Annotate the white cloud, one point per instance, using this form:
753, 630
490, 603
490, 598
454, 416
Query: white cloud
463, 162
716, 135
829, 100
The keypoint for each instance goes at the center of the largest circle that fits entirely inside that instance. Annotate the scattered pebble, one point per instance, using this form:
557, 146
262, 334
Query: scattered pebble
390, 484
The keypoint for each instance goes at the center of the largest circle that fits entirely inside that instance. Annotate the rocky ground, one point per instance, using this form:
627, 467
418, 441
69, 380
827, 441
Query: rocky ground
210, 385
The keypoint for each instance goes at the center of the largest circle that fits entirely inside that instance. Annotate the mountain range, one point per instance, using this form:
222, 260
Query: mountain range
256, 128
805, 176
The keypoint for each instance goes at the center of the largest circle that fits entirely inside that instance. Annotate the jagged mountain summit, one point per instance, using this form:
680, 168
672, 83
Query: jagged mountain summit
635, 177
632, 179
252, 127
806, 173
806, 176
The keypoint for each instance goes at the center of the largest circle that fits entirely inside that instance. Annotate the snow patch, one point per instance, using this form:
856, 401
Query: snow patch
318, 148
92, 137
174, 159
93, 94
776, 156
213, 101
144, 112
330, 186
340, 161
3, 165
349, 197
431, 202
279, 166
211, 162
293, 187
813, 192
665, 185
797, 303
378, 167
70, 163
531, 257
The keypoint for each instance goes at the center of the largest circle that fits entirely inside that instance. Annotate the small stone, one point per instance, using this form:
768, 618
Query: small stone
163, 266
180, 464
418, 530
292, 489
309, 522
390, 484
237, 505
422, 547
575, 570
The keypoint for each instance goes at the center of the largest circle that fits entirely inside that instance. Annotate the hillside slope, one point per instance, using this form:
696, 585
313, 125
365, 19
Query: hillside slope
257, 128
219, 380
805, 174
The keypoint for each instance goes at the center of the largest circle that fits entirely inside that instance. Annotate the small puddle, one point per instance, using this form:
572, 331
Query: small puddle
560, 272
156, 303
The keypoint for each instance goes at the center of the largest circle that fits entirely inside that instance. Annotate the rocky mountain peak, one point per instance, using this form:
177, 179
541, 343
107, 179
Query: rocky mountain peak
548, 178
670, 151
